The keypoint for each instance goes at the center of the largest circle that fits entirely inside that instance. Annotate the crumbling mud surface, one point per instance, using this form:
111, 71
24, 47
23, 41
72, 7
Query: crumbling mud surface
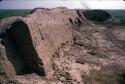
62, 46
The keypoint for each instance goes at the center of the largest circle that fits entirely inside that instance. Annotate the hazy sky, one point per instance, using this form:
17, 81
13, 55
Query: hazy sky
91, 4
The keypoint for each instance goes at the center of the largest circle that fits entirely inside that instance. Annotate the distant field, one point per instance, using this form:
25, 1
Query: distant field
120, 14
8, 13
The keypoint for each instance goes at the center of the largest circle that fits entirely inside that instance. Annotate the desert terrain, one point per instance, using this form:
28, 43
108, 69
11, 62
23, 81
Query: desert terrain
62, 46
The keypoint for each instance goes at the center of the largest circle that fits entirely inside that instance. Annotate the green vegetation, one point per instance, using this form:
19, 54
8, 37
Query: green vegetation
8, 13
120, 14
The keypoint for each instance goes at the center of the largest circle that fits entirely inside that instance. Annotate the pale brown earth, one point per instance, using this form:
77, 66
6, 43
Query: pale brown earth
61, 46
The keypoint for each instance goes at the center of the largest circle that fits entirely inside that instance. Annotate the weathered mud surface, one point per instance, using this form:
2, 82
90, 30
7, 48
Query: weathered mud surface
61, 46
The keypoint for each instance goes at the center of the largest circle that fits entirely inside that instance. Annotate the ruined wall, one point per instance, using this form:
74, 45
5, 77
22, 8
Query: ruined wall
40, 35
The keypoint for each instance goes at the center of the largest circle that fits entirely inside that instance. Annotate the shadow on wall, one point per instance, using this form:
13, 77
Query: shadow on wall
15, 59
20, 50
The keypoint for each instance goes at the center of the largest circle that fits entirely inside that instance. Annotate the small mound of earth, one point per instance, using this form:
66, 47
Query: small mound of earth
97, 15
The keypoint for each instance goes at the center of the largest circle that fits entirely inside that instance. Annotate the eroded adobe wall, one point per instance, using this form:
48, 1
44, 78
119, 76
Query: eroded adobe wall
50, 32
39, 36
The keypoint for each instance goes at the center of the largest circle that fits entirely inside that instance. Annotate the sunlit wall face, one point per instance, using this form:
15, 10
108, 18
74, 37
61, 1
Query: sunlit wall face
72, 4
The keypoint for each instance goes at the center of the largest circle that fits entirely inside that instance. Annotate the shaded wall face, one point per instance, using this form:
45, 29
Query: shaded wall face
15, 62
21, 37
